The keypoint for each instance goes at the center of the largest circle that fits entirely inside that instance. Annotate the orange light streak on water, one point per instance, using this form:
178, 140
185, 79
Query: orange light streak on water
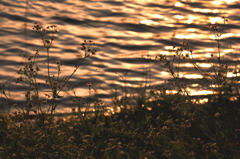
193, 76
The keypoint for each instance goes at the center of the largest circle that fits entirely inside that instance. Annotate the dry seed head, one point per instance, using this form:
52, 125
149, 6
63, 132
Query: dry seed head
47, 41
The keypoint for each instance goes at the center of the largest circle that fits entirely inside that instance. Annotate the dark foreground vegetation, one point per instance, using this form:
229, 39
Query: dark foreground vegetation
158, 124
172, 128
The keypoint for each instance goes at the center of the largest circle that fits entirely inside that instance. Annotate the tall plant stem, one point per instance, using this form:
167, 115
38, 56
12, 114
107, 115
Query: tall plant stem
219, 52
69, 77
48, 68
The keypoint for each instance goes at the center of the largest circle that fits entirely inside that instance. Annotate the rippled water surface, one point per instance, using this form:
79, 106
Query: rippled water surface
124, 31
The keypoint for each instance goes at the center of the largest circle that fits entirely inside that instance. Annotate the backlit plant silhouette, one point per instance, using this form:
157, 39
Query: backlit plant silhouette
216, 78
35, 95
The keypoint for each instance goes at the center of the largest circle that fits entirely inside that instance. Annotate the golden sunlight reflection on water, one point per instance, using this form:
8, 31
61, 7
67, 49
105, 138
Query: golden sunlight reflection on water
124, 32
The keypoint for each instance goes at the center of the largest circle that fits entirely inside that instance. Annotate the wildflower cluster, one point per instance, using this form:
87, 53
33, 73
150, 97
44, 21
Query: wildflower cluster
47, 41
88, 49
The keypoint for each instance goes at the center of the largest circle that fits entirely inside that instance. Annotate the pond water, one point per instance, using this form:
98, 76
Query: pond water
124, 32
